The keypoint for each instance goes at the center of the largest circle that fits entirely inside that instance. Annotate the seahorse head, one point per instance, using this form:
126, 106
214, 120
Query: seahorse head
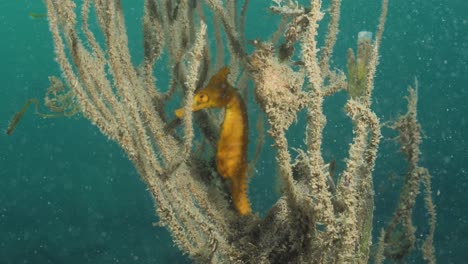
214, 95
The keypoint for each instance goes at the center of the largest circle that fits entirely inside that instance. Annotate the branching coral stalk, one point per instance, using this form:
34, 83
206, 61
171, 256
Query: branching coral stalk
354, 189
348, 186
400, 236
332, 33
126, 114
316, 123
374, 60
428, 245
313, 221
191, 83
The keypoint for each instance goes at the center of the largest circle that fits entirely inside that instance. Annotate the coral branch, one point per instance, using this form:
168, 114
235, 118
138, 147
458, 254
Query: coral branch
318, 218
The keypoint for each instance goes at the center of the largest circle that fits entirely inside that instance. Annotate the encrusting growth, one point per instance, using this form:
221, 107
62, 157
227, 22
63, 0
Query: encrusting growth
231, 155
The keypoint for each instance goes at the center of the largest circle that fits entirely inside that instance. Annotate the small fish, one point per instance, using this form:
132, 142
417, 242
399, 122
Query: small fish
332, 168
37, 15
17, 117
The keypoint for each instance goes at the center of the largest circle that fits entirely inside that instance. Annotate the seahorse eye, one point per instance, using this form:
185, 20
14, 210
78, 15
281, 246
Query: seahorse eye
202, 98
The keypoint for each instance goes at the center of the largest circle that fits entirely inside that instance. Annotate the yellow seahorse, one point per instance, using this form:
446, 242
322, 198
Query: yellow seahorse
231, 155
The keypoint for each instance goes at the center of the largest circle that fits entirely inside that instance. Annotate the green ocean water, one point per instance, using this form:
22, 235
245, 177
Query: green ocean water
69, 195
